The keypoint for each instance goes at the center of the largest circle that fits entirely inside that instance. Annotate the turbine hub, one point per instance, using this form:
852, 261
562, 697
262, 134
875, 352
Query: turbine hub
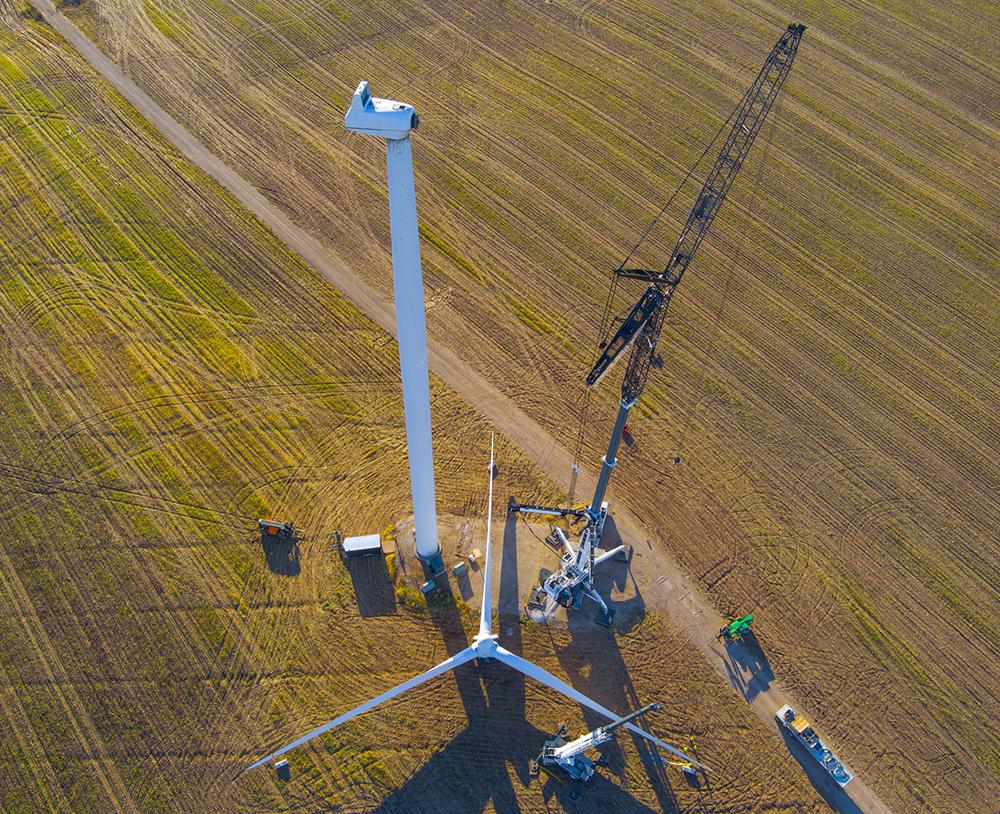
485, 646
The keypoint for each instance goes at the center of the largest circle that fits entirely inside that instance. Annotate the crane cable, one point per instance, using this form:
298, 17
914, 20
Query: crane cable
690, 172
584, 408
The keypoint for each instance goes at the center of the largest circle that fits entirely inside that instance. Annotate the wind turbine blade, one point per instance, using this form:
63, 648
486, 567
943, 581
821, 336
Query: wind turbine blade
545, 677
459, 658
486, 611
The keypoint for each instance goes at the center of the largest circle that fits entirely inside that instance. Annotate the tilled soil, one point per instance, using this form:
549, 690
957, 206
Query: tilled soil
171, 372
829, 378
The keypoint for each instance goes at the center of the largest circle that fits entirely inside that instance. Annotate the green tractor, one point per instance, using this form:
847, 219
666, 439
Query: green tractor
736, 629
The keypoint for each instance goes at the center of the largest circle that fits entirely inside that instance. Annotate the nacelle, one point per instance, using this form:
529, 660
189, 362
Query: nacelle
385, 118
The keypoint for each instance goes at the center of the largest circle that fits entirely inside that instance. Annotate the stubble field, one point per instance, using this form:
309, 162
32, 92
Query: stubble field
830, 362
169, 373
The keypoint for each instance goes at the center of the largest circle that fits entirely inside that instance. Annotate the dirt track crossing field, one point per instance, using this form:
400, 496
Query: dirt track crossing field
170, 372
831, 377
672, 592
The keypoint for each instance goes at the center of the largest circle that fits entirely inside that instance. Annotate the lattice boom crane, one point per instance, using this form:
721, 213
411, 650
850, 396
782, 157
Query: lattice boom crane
640, 330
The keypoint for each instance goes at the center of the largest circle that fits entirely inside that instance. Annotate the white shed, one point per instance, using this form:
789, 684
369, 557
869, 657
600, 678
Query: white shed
367, 545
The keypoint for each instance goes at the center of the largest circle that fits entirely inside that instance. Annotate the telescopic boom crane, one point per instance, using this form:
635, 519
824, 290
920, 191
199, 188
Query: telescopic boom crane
640, 330
571, 757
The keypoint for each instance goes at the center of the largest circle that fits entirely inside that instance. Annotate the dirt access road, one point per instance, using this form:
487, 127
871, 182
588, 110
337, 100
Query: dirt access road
668, 589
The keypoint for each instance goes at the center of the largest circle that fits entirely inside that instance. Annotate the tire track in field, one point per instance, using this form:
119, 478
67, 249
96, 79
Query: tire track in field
46, 781
523, 431
80, 721
48, 478
39, 481
185, 398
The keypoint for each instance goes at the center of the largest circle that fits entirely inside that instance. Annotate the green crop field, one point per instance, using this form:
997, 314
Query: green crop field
830, 361
169, 372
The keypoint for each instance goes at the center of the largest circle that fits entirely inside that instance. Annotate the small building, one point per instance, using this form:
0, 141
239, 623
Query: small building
367, 545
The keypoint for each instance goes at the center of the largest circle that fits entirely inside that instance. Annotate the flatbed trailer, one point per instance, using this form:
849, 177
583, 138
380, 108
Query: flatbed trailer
806, 735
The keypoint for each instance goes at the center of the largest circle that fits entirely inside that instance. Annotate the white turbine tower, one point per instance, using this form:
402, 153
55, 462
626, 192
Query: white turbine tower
393, 121
484, 646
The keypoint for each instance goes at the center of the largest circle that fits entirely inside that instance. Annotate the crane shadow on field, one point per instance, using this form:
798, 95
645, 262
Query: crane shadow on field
835, 797
616, 575
480, 766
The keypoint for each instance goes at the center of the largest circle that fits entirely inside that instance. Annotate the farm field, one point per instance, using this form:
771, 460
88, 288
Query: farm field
830, 361
170, 372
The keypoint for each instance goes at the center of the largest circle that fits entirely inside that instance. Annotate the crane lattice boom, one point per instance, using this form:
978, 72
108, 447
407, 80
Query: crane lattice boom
641, 328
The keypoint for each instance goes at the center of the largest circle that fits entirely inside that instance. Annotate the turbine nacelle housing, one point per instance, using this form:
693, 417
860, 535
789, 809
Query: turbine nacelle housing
385, 118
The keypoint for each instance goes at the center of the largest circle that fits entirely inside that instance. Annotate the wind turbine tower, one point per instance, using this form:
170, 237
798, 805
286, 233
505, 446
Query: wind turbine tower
393, 121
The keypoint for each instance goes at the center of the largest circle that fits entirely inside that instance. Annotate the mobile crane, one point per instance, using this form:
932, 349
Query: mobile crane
571, 758
640, 330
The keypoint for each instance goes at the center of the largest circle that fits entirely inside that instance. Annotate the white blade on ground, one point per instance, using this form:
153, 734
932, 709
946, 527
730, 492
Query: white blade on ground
545, 677
459, 658
485, 612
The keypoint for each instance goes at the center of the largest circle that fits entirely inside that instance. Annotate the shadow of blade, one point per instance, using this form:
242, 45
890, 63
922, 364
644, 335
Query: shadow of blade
458, 779
448, 618
508, 593
507, 697
470, 774
373, 588
837, 798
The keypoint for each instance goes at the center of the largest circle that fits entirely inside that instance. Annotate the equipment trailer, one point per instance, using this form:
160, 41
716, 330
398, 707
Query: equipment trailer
806, 735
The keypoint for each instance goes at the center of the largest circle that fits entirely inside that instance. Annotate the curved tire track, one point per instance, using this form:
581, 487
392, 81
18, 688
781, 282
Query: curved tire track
695, 615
